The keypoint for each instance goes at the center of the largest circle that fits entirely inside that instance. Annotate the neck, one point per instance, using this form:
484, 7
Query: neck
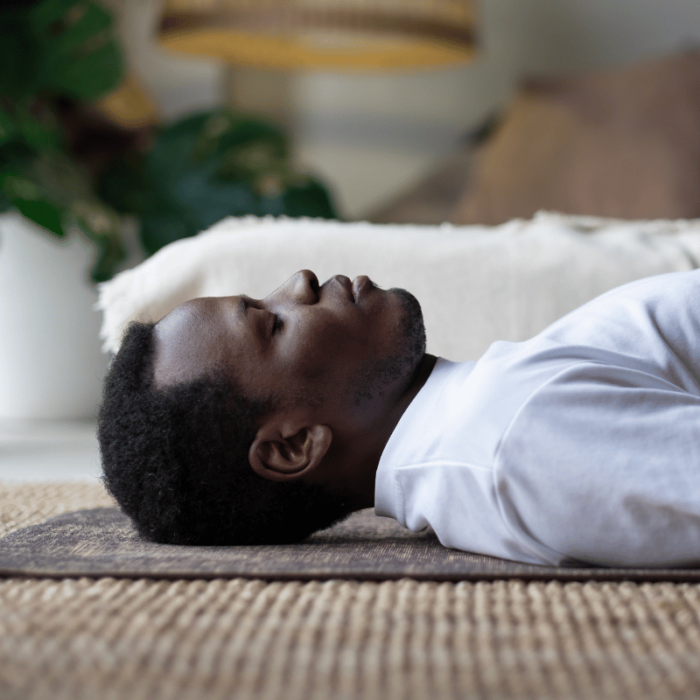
360, 460
418, 380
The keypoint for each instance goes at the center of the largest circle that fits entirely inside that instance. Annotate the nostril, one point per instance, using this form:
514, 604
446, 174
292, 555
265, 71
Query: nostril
312, 281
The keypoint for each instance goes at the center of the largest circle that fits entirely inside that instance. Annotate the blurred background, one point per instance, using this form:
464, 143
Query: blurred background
127, 124
368, 99
372, 135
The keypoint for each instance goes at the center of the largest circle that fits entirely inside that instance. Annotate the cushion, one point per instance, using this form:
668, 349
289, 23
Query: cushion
476, 284
624, 143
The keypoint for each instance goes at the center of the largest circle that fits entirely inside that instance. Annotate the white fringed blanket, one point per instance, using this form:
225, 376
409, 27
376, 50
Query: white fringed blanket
476, 284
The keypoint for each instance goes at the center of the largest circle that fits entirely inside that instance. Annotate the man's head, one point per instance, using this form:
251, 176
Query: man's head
240, 420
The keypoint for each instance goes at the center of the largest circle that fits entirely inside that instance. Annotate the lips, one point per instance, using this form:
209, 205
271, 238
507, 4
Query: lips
355, 289
345, 283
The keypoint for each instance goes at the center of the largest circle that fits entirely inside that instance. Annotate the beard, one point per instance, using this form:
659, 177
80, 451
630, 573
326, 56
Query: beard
379, 375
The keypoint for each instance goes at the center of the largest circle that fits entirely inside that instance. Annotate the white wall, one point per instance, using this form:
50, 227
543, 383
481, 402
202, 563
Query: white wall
371, 136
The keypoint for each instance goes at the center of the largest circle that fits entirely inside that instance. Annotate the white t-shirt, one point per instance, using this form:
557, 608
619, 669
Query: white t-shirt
582, 443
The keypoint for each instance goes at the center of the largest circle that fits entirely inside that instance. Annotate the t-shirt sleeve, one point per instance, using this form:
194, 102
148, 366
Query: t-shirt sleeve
602, 465
652, 325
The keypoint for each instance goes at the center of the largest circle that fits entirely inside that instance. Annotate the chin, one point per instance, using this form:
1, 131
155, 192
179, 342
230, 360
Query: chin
412, 329
391, 373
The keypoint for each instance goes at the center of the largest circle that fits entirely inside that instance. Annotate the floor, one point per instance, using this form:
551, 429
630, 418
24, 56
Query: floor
44, 450
127, 639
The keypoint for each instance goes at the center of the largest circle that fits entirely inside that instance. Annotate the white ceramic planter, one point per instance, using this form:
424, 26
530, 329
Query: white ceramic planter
50, 360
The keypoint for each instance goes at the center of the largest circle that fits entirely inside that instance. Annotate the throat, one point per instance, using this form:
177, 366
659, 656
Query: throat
354, 463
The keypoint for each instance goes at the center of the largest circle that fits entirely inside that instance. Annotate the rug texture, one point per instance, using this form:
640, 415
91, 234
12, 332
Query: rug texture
243, 639
102, 542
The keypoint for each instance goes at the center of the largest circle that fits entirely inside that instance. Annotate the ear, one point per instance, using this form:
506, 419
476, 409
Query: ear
285, 451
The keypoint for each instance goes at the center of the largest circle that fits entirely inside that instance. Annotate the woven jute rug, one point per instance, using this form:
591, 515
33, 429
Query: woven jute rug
149, 639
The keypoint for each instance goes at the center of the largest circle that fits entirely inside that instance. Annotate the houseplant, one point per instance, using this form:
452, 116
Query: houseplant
59, 214
206, 166
55, 53
59, 54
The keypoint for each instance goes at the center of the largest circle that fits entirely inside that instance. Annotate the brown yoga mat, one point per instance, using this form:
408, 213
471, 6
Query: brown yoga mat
101, 542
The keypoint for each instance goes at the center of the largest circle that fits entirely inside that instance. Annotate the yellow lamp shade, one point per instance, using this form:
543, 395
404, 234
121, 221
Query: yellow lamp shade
349, 35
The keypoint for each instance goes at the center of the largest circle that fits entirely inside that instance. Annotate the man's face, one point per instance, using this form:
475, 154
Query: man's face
346, 346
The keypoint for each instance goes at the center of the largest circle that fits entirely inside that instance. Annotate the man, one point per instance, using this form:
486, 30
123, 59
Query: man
235, 420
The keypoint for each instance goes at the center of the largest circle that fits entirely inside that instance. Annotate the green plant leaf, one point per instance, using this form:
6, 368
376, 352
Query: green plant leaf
203, 139
66, 183
7, 127
110, 253
90, 76
79, 55
206, 200
16, 185
309, 198
41, 212
61, 178
39, 135
75, 37
208, 166
46, 13
192, 205
247, 161
20, 55
160, 228
5, 202
242, 130
125, 187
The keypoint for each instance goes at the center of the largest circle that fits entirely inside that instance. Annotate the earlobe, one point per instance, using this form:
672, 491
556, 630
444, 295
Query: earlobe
284, 453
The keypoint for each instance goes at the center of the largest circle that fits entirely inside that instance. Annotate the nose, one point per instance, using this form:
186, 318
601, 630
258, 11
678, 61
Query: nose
300, 288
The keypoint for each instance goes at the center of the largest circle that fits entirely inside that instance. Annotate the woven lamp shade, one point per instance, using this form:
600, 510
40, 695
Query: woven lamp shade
352, 35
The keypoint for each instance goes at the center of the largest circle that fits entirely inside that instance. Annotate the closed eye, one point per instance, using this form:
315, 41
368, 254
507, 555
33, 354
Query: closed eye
276, 324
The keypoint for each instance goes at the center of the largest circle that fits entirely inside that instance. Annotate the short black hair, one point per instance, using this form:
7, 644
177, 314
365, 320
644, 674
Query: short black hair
176, 459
